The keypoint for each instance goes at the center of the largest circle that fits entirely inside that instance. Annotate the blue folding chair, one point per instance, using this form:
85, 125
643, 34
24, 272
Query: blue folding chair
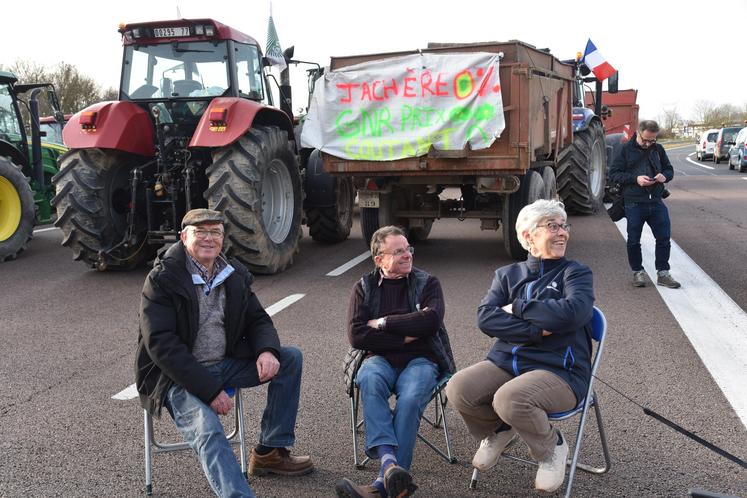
599, 334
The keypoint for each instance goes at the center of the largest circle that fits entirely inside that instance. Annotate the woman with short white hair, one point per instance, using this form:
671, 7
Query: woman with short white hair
540, 313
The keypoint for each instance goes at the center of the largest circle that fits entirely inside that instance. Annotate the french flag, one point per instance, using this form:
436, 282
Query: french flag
597, 63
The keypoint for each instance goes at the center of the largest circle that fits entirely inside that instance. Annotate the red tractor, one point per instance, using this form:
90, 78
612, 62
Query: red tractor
194, 126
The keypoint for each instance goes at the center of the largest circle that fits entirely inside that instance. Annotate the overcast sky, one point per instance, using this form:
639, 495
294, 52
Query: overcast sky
674, 53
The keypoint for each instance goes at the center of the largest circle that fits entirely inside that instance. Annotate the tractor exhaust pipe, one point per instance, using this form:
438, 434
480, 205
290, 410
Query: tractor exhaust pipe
36, 156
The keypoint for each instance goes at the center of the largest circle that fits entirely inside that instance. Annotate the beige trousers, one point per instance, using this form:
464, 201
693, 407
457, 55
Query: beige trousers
487, 396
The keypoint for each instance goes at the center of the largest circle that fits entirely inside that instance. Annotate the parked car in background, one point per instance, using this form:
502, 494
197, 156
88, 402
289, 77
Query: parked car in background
737, 155
706, 144
724, 141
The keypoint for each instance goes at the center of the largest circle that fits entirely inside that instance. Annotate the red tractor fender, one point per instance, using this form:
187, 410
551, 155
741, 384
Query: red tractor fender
115, 125
228, 118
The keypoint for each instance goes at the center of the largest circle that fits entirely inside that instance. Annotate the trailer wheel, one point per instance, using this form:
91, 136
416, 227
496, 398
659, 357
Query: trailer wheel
92, 202
332, 224
420, 234
581, 171
256, 183
17, 210
550, 183
532, 188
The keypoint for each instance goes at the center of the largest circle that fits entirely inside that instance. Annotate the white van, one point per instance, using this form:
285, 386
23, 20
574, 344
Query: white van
706, 144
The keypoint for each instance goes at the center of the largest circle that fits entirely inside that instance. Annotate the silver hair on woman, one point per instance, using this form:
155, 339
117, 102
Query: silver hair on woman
533, 214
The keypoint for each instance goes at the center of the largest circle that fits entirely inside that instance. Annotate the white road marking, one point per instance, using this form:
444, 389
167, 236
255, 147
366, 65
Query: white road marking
130, 392
127, 393
353, 262
711, 320
283, 303
40, 230
698, 164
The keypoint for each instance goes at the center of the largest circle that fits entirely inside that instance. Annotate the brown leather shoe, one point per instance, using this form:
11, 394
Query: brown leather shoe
398, 482
346, 488
279, 461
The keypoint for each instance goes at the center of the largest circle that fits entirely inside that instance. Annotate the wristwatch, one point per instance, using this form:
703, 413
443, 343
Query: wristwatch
381, 323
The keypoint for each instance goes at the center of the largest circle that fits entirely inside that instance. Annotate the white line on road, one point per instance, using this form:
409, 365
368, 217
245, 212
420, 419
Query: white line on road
130, 391
283, 303
698, 164
40, 230
353, 262
711, 320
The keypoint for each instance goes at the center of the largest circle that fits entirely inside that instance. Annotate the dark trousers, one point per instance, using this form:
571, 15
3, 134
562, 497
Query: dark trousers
654, 213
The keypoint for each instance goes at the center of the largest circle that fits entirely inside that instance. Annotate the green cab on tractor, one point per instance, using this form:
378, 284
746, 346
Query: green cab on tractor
27, 164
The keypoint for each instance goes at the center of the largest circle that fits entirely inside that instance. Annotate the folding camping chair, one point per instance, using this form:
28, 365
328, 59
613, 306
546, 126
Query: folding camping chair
599, 334
356, 357
153, 446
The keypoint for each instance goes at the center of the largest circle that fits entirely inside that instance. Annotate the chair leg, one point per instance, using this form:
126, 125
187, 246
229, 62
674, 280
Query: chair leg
473, 481
240, 426
442, 404
148, 432
354, 429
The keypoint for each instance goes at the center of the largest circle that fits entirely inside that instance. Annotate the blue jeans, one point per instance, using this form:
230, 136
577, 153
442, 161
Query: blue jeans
201, 428
412, 385
654, 213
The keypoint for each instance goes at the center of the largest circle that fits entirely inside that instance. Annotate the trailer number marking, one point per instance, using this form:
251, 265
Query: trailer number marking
368, 199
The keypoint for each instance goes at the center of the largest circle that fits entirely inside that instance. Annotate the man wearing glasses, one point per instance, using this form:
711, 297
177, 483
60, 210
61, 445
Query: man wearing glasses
203, 332
642, 168
396, 315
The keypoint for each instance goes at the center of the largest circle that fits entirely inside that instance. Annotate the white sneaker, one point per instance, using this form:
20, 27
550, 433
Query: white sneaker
551, 472
491, 448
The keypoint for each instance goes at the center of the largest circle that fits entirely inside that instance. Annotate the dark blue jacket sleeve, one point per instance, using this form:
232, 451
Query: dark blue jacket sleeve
496, 322
567, 314
666, 167
618, 173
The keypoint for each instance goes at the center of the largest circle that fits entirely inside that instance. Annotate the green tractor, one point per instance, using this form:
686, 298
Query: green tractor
26, 166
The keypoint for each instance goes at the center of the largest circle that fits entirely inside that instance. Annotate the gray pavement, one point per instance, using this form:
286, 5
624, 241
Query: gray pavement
68, 338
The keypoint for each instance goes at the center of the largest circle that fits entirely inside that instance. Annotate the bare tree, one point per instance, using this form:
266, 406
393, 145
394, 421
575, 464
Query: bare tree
75, 90
705, 112
670, 120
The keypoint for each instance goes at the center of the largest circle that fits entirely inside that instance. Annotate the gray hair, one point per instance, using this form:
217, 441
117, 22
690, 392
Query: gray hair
648, 125
533, 214
380, 235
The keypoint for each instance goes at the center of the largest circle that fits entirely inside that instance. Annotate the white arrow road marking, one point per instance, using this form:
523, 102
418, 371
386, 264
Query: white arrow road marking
715, 325
130, 391
353, 262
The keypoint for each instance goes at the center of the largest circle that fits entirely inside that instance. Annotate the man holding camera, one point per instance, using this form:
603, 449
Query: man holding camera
642, 168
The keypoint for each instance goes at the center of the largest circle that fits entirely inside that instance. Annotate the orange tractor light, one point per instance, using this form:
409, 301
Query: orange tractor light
88, 120
218, 118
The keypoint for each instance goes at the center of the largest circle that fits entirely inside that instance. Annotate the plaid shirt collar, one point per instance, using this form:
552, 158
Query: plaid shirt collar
201, 275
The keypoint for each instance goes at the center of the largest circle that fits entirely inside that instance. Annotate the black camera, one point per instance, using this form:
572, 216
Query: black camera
665, 193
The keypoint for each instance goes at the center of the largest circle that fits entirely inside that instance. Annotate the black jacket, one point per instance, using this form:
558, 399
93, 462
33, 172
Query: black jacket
169, 320
634, 161
556, 295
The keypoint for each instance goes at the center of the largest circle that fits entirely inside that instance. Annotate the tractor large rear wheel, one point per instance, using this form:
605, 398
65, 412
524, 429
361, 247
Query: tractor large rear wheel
92, 202
582, 171
17, 210
256, 183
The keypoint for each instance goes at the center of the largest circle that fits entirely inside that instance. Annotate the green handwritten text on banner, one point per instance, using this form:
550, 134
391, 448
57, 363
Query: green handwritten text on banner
400, 107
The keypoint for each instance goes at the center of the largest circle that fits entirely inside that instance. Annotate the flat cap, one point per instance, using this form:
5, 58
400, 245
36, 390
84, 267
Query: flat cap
202, 215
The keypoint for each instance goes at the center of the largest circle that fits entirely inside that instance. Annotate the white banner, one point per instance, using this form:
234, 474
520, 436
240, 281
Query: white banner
395, 108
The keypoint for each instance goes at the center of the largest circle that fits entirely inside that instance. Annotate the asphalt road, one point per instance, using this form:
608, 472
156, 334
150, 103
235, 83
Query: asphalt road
68, 338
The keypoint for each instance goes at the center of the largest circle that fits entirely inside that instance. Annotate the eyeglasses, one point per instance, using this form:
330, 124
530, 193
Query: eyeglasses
554, 227
645, 141
202, 233
399, 252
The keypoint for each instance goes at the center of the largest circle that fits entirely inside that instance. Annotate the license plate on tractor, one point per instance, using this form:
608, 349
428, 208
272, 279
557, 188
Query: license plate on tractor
170, 32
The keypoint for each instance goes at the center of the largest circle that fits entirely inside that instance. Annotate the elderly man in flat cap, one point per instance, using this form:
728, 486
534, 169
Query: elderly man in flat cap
203, 331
